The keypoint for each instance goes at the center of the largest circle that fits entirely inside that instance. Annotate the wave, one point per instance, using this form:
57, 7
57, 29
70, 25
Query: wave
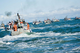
47, 41
67, 25
41, 27
1, 27
33, 35
56, 26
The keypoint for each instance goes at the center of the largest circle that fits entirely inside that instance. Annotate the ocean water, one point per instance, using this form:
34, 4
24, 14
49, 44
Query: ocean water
57, 37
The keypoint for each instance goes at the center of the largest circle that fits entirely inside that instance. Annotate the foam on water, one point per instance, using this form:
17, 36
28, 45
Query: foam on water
57, 28
44, 39
35, 35
1, 27
46, 44
38, 34
76, 48
67, 25
38, 28
41, 27
69, 34
12, 38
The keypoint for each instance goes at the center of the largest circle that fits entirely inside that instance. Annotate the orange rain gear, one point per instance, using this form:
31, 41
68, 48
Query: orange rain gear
28, 26
15, 27
21, 22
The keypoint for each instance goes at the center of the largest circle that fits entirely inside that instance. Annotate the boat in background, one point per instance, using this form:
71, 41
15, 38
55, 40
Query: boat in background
55, 20
67, 18
21, 28
76, 18
2, 24
19, 31
48, 21
37, 22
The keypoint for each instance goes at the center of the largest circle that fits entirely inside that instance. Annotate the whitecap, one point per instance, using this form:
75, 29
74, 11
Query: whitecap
68, 34
67, 25
77, 48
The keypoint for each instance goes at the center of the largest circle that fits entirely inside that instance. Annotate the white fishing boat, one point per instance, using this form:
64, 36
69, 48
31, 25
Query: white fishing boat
2, 25
67, 18
37, 22
55, 20
48, 21
19, 31
76, 18
18, 27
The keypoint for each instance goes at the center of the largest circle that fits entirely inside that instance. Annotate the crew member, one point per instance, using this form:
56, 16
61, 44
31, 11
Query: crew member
15, 26
28, 27
21, 23
9, 25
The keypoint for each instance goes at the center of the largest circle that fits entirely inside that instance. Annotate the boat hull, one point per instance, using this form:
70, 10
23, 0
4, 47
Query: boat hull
13, 33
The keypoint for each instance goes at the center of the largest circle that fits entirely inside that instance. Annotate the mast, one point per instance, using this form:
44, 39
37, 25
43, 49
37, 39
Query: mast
18, 16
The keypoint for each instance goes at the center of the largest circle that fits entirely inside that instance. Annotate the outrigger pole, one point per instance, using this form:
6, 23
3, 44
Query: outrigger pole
18, 16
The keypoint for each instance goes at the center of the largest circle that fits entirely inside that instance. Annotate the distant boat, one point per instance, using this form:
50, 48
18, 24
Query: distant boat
67, 18
37, 22
2, 25
76, 18
55, 20
20, 29
48, 21
13, 33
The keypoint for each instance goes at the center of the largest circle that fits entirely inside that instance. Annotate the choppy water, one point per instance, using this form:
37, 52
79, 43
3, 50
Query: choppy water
57, 37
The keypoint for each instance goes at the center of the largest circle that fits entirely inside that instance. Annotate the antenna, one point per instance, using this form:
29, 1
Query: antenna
18, 15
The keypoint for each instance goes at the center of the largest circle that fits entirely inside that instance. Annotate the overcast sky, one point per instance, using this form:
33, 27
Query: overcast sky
39, 9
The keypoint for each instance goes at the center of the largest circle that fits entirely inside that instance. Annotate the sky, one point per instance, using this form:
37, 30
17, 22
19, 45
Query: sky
32, 10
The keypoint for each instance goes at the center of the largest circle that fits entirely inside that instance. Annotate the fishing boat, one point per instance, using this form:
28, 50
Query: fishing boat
19, 31
37, 22
48, 21
76, 18
55, 20
2, 25
21, 28
67, 18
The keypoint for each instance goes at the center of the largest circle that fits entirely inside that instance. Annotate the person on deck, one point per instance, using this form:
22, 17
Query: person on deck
9, 25
15, 27
21, 23
28, 27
